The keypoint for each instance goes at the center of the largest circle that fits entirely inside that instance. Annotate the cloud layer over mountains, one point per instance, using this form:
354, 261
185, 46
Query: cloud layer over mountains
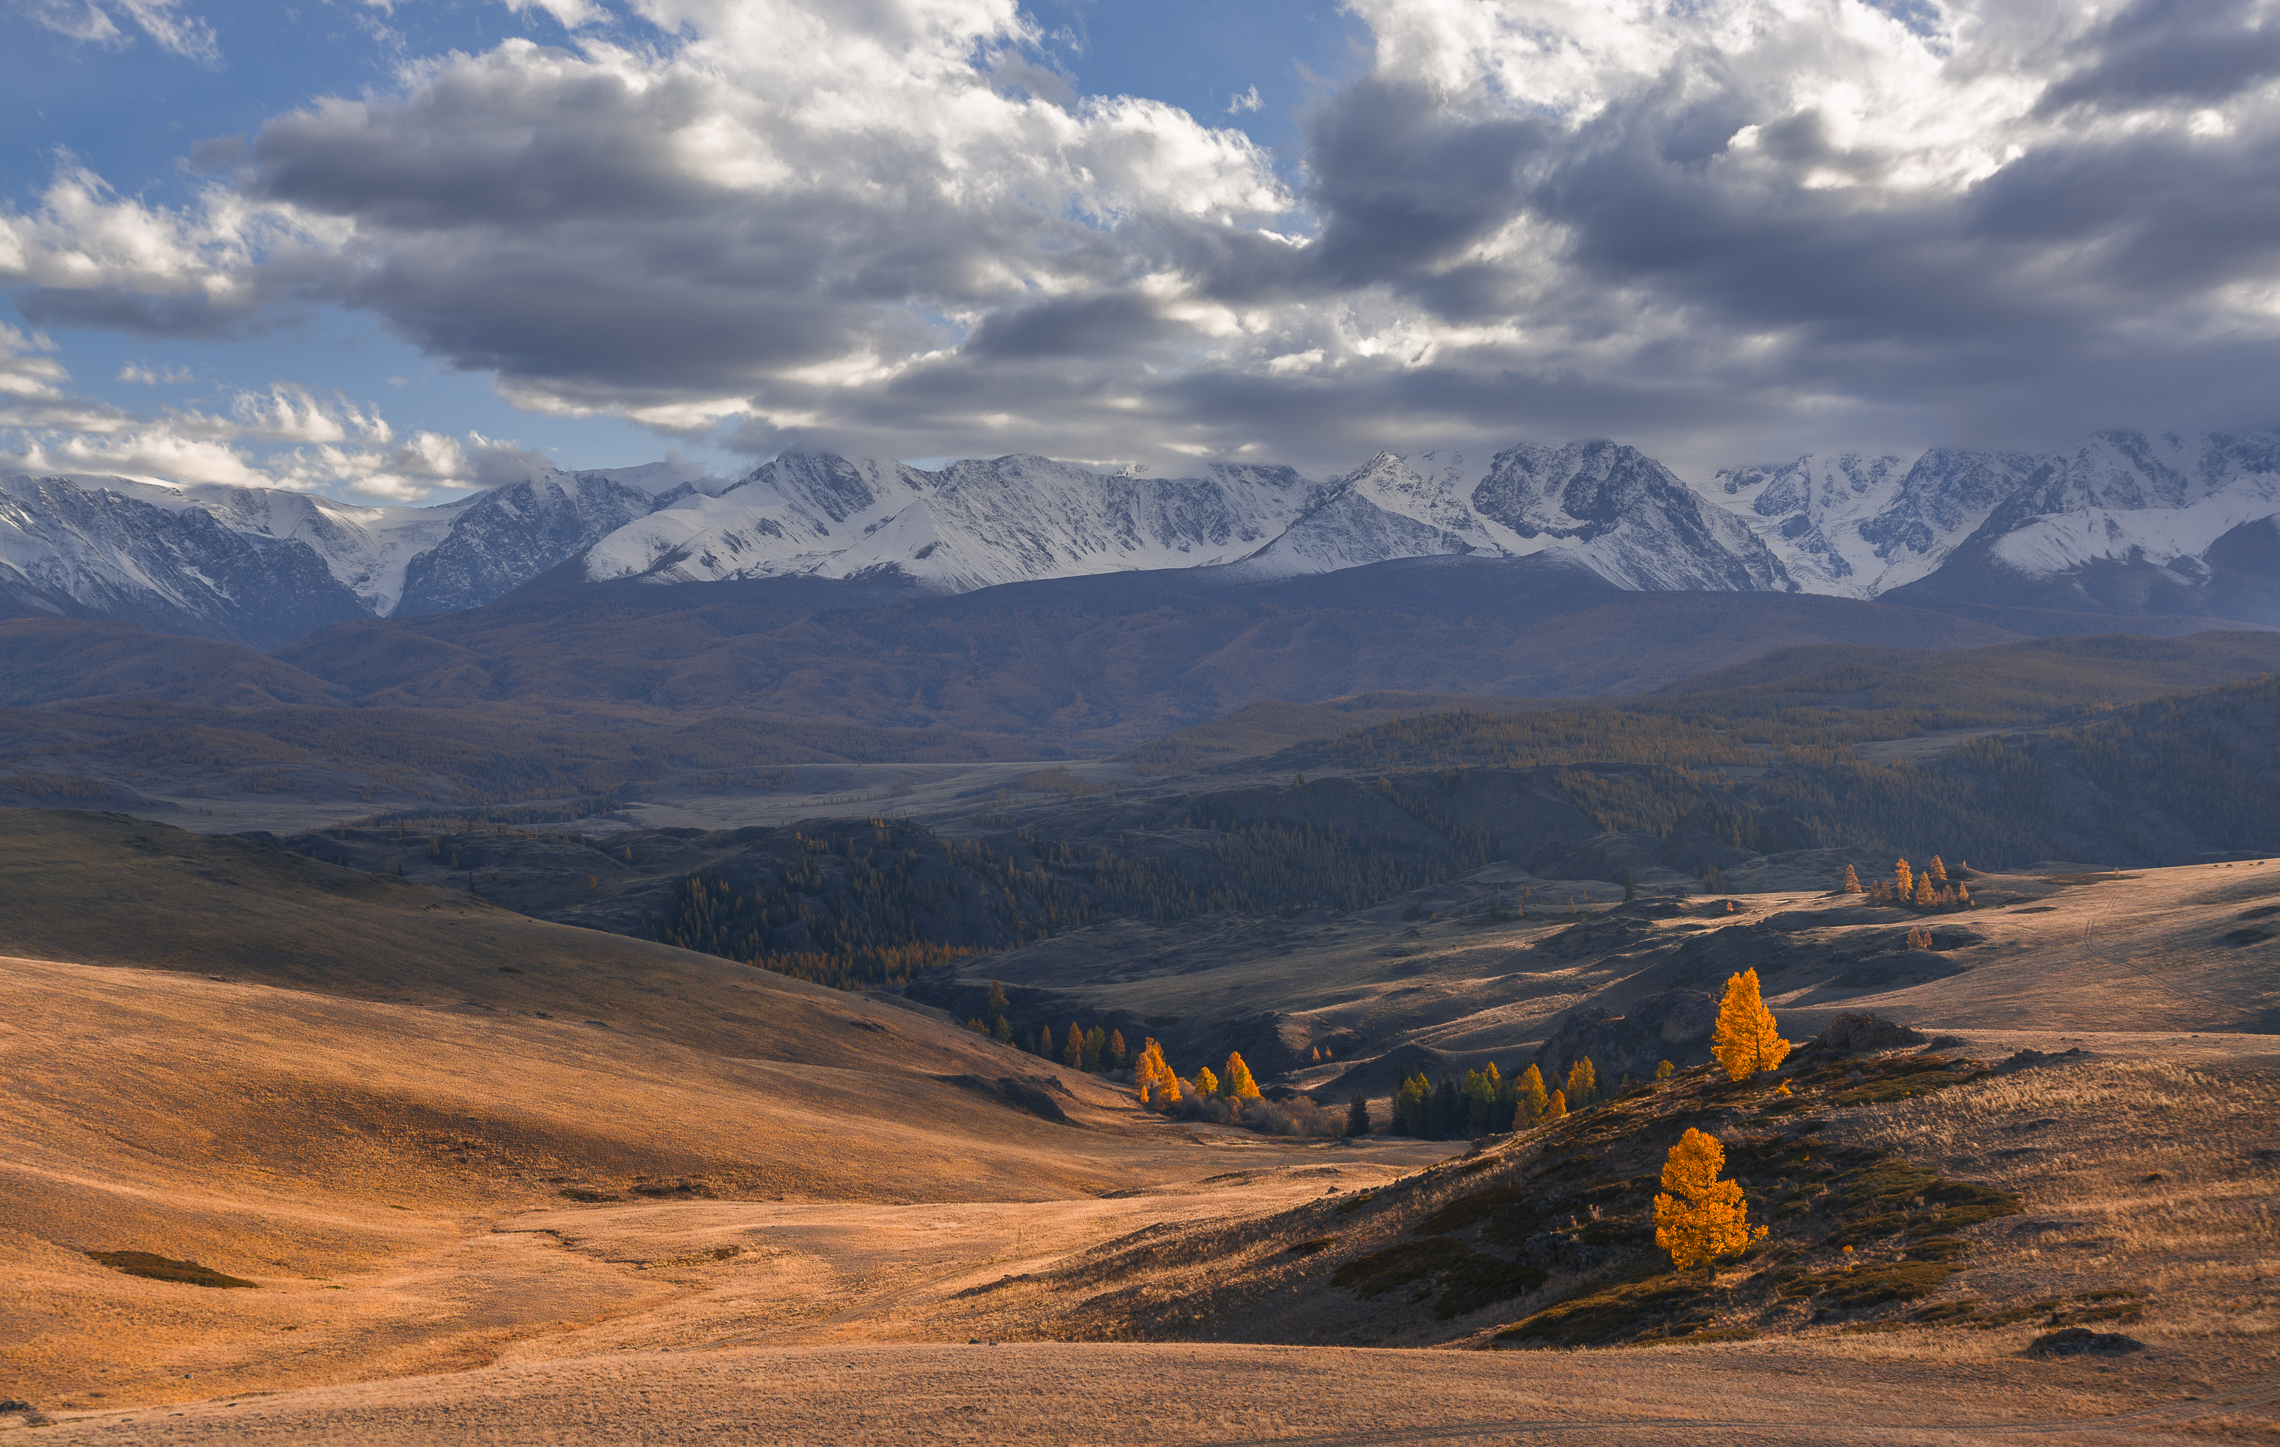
1738, 227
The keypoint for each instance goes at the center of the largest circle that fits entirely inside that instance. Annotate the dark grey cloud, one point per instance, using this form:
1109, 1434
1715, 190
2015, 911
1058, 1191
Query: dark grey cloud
1402, 185
2201, 52
1727, 229
1090, 326
139, 313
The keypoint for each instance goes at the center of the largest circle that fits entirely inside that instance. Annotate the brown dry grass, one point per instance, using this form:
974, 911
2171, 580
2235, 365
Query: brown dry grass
389, 1172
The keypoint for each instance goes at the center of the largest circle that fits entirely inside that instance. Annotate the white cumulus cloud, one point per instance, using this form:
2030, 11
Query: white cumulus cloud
1719, 230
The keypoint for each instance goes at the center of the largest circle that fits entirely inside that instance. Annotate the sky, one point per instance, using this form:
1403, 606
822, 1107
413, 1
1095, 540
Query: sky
393, 251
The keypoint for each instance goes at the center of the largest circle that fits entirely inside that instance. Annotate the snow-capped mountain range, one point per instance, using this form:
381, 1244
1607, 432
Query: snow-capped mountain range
263, 566
2123, 523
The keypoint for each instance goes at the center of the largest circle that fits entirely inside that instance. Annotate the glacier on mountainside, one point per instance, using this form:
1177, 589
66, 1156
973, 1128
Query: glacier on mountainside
974, 524
1863, 526
2125, 522
980, 523
249, 563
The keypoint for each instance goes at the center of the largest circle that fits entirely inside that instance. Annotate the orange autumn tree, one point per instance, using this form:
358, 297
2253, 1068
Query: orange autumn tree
1746, 1040
1159, 1088
1698, 1217
1239, 1085
1534, 1100
1582, 1084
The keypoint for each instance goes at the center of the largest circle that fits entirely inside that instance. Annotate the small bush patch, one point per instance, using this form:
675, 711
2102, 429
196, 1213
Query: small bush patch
1382, 1271
1482, 1280
1465, 1210
1666, 1303
586, 1194
1308, 1248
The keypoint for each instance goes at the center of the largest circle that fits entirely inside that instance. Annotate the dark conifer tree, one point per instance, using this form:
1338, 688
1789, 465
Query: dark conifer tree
1357, 1116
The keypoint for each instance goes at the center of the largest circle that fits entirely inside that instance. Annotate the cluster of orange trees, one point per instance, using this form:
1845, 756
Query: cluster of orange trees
1927, 889
1161, 1089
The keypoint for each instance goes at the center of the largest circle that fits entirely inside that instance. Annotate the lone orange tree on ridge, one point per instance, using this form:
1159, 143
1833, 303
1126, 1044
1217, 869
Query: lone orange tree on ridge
1746, 1040
1698, 1217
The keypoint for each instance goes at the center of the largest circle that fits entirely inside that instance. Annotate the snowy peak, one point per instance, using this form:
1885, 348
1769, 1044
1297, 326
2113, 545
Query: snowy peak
1627, 517
2125, 522
2124, 493
1998, 526
1389, 507
509, 535
974, 524
263, 565
81, 551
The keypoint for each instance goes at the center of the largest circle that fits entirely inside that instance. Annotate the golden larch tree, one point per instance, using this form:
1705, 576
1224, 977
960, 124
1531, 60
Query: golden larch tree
1582, 1083
1533, 1099
1852, 881
1936, 869
1556, 1107
1746, 1040
1159, 1088
1240, 1085
1206, 1084
1698, 1217
1903, 879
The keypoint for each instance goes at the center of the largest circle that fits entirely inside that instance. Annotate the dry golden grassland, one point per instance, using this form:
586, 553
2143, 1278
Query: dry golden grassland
745, 1209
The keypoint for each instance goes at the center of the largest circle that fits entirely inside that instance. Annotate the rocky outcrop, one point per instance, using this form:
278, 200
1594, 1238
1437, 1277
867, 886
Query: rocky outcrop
1861, 1034
1674, 1025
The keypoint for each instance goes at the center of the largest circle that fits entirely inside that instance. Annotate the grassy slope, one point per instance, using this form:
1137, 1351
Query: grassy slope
107, 891
1546, 1238
327, 1083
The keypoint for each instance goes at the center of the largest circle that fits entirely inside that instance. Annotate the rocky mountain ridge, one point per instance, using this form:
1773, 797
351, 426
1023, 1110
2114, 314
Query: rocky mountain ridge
2125, 523
264, 566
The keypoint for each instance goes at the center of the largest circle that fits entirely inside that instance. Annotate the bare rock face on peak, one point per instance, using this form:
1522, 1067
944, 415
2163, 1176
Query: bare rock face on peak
74, 551
1628, 517
2126, 523
508, 536
264, 566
